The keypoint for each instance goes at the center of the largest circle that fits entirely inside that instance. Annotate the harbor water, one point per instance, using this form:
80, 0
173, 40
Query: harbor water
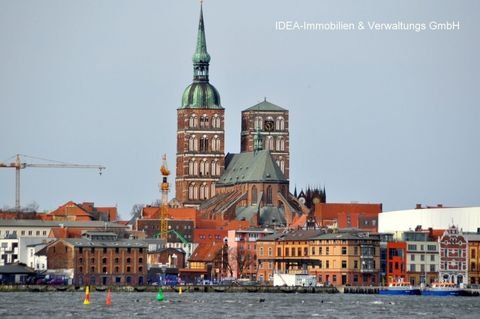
233, 305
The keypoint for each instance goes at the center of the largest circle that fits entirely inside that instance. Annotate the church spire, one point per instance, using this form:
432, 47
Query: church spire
201, 58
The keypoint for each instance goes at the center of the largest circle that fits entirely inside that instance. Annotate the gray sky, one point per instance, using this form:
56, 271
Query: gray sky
386, 117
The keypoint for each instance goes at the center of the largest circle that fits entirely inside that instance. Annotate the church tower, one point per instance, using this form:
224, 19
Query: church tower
267, 124
200, 132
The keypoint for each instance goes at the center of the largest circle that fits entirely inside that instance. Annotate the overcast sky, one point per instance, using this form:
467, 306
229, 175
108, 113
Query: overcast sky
376, 116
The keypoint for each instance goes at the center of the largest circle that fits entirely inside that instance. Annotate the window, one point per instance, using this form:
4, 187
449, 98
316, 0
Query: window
327, 264
432, 268
287, 252
254, 194
279, 251
344, 264
280, 144
269, 195
313, 251
327, 250
259, 123
192, 121
204, 167
269, 143
260, 251
216, 144
192, 167
129, 269
104, 261
204, 121
355, 264
355, 251
204, 144
412, 247
432, 257
204, 191
269, 251
412, 267
192, 144
280, 124
412, 257
216, 123
344, 250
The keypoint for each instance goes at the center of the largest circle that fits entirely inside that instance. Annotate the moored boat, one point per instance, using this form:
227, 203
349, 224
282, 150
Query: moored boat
400, 288
442, 289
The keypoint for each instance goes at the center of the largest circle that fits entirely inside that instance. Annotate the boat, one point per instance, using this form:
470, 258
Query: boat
400, 288
442, 289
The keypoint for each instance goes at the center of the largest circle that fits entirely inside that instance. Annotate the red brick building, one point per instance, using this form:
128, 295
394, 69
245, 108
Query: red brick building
99, 259
271, 122
81, 212
344, 215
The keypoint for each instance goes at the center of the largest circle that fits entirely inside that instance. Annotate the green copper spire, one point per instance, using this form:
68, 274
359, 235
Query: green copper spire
201, 94
201, 55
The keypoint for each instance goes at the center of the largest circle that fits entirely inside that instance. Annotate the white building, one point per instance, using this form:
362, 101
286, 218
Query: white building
467, 219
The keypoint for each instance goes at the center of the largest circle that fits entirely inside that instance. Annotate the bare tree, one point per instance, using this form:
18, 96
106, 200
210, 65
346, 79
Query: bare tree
136, 210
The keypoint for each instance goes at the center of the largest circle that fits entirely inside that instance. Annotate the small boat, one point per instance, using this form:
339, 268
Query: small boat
400, 288
442, 289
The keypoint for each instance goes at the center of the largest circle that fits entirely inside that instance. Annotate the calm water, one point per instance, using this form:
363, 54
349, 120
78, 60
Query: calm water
230, 305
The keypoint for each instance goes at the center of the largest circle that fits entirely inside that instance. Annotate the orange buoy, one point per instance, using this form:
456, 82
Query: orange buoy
109, 298
87, 296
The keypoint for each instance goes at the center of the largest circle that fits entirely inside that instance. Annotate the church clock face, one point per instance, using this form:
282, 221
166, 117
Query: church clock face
269, 125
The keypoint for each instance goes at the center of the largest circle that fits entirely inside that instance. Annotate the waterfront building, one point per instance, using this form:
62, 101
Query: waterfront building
200, 132
346, 258
396, 262
98, 258
473, 240
422, 257
269, 123
338, 258
242, 251
453, 256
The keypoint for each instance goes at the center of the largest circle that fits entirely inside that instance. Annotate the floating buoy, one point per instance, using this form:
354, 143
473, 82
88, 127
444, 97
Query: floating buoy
109, 298
87, 296
160, 295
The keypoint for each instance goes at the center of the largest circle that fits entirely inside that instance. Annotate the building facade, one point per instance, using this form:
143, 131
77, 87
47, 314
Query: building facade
99, 259
453, 256
200, 132
271, 123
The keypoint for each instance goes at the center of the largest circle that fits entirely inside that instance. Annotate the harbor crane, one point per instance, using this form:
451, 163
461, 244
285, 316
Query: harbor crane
18, 165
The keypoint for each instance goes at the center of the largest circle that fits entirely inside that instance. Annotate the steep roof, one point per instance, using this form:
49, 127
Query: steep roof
248, 167
266, 106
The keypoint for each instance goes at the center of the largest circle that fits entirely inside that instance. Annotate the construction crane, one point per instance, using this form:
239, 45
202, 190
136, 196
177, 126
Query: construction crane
164, 187
18, 165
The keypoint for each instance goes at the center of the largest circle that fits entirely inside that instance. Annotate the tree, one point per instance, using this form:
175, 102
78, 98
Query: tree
136, 210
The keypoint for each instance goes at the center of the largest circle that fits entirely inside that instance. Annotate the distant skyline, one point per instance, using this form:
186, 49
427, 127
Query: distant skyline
376, 115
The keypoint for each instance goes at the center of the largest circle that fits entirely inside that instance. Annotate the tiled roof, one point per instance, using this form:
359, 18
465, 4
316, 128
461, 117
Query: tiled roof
258, 167
82, 242
266, 107
205, 252
51, 223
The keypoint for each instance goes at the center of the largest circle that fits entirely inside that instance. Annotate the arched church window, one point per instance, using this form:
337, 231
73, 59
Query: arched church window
204, 167
204, 121
258, 123
269, 143
280, 144
214, 168
212, 189
192, 144
204, 144
280, 123
203, 191
192, 121
216, 121
269, 195
191, 191
254, 194
216, 144
195, 191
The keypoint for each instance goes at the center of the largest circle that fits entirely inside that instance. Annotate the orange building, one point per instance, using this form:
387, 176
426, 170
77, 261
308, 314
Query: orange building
473, 257
396, 261
354, 215
340, 258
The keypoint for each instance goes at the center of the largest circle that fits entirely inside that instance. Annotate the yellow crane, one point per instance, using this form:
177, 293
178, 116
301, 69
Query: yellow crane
164, 187
18, 165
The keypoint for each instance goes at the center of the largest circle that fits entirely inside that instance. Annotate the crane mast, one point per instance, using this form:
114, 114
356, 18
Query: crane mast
18, 165
164, 187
